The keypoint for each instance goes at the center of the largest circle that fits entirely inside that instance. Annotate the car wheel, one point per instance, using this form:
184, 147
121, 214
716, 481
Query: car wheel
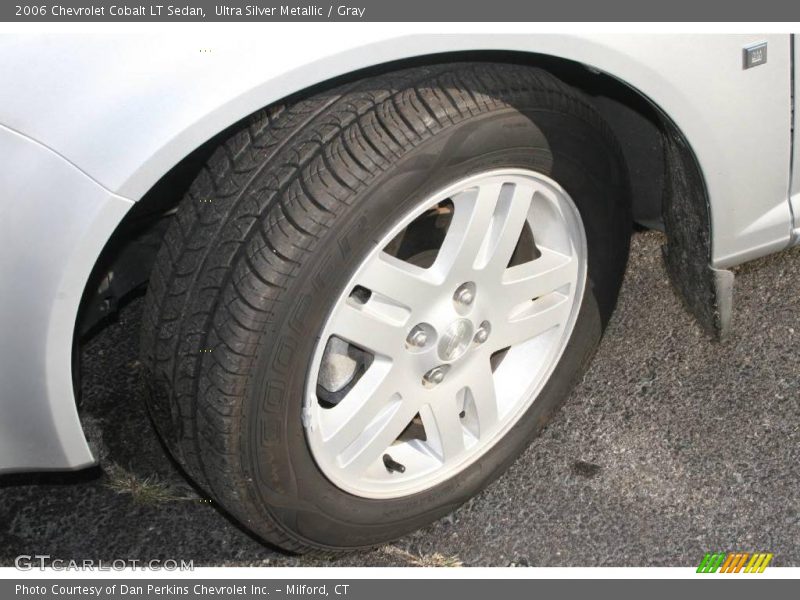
372, 299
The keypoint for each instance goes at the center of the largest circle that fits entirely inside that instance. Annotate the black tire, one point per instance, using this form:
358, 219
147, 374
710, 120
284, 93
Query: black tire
273, 227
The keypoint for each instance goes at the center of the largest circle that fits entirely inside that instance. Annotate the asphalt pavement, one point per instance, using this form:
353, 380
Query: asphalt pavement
672, 446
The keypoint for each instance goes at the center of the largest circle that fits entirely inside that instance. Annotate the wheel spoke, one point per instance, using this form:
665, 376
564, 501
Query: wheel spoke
377, 438
542, 315
472, 220
443, 429
364, 327
549, 272
486, 227
509, 219
398, 280
373, 394
482, 389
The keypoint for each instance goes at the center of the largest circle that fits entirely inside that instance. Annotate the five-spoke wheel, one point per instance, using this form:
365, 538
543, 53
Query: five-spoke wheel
428, 357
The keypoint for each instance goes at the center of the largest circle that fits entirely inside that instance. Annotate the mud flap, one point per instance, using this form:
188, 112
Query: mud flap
707, 292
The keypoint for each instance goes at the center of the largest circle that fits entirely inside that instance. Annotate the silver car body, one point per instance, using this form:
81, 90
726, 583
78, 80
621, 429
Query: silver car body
89, 123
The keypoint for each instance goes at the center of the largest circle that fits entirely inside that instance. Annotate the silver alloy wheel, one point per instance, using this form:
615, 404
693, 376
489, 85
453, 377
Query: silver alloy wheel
429, 366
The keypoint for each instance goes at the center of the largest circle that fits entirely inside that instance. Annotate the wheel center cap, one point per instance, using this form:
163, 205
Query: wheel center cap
455, 340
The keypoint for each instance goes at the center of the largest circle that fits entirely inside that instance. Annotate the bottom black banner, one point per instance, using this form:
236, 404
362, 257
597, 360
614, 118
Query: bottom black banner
382, 589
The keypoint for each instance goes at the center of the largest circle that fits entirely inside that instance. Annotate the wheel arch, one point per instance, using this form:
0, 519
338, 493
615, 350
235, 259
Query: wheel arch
667, 164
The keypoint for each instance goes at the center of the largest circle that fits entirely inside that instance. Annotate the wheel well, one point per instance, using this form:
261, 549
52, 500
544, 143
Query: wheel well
645, 133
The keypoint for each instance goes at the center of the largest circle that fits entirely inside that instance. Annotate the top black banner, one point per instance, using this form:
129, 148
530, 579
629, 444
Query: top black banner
403, 10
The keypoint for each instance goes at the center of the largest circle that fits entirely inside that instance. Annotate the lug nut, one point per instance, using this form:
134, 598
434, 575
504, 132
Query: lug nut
483, 333
418, 337
435, 376
464, 297
465, 294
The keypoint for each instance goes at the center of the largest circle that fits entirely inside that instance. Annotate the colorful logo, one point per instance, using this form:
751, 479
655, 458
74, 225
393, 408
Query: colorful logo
734, 562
